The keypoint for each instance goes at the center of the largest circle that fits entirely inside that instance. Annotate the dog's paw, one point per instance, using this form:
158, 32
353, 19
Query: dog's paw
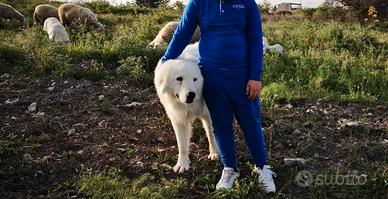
181, 167
213, 156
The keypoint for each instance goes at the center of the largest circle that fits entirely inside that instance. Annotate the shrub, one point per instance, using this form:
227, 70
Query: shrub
133, 67
10, 56
103, 7
276, 93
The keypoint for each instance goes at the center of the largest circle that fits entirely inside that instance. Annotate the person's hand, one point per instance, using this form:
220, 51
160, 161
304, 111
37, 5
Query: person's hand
253, 89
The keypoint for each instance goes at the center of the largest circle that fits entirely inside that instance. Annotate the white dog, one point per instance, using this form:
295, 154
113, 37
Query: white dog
179, 86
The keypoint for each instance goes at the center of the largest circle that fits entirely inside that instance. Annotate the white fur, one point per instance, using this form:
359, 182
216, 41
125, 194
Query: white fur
277, 48
191, 53
55, 30
166, 33
173, 95
265, 45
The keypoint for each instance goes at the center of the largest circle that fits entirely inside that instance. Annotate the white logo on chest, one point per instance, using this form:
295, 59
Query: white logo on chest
238, 6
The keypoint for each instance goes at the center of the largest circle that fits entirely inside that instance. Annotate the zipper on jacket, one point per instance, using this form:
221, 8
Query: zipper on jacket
220, 7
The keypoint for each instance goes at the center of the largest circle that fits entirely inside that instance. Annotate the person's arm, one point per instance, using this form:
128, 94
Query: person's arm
255, 41
184, 31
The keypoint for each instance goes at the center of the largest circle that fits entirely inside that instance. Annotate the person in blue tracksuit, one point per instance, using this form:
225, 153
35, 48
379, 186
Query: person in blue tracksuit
231, 52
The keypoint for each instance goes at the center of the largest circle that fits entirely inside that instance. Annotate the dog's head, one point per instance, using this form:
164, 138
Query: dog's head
180, 78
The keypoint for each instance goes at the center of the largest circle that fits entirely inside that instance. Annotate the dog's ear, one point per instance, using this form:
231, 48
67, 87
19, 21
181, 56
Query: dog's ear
166, 82
164, 87
162, 77
162, 83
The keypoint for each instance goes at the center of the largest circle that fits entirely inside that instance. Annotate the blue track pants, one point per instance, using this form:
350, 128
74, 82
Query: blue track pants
224, 93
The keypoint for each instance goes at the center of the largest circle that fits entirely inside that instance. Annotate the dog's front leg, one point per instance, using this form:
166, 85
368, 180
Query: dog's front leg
182, 133
207, 125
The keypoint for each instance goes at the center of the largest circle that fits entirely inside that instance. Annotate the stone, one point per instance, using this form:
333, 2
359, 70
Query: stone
294, 161
32, 107
27, 157
133, 104
9, 101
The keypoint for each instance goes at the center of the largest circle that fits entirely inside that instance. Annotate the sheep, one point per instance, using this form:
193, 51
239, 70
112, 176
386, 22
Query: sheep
69, 12
277, 48
166, 32
265, 45
44, 11
55, 30
8, 12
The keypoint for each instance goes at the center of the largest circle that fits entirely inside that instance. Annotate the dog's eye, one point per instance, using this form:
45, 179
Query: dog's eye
195, 79
179, 79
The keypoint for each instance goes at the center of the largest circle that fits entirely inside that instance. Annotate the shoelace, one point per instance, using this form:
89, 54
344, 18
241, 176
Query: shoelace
267, 174
227, 175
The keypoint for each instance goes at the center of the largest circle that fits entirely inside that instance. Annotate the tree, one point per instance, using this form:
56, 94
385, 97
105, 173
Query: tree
151, 3
179, 6
265, 7
361, 7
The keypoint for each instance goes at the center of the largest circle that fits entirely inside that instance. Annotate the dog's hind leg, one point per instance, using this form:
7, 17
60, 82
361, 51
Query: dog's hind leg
207, 124
182, 133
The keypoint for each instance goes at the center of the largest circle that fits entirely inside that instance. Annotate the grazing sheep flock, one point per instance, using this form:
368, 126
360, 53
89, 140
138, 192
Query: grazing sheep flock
49, 16
8, 12
44, 11
70, 12
167, 31
55, 30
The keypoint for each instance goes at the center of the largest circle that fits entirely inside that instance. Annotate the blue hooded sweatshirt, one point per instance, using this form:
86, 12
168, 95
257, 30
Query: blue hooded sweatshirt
231, 34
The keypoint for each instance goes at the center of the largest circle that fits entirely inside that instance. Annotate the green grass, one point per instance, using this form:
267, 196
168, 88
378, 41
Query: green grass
339, 61
5, 148
106, 106
275, 93
331, 60
128, 153
373, 186
8, 143
328, 60
115, 184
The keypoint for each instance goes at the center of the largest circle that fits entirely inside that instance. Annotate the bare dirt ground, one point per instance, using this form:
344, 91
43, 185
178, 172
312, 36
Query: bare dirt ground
81, 126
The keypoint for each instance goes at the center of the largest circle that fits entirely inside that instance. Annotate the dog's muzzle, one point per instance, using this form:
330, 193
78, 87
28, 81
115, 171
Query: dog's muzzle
190, 97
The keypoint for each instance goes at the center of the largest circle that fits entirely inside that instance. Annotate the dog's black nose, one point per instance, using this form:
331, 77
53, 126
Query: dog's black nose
190, 97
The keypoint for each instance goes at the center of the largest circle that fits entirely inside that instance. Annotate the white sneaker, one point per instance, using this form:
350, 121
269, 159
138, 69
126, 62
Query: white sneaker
265, 177
227, 179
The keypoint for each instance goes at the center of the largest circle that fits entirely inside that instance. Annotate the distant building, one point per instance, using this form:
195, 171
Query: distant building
287, 8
